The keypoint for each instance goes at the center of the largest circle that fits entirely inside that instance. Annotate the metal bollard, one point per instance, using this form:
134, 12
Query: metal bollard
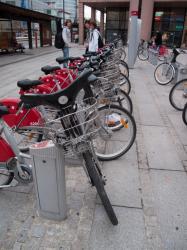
49, 180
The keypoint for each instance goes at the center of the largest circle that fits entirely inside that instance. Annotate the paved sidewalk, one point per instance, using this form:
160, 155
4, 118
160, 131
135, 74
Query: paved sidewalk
11, 58
147, 186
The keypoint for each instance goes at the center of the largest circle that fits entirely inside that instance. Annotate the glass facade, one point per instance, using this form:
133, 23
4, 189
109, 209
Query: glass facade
117, 23
170, 21
57, 7
14, 32
36, 5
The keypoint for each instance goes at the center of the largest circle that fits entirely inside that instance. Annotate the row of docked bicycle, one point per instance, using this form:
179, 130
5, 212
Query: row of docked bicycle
85, 109
174, 69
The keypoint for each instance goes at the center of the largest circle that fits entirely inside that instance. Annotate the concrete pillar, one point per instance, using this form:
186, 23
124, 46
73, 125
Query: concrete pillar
41, 35
102, 23
29, 34
147, 18
134, 6
93, 14
81, 23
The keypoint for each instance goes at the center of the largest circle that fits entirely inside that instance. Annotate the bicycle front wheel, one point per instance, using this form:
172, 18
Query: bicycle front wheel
184, 114
117, 133
124, 100
143, 54
124, 68
124, 83
178, 95
164, 73
96, 179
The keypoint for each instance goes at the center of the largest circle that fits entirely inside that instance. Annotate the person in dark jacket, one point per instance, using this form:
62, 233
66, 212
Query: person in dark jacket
158, 39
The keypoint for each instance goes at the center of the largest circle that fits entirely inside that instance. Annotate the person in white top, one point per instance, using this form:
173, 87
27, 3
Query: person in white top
66, 35
93, 38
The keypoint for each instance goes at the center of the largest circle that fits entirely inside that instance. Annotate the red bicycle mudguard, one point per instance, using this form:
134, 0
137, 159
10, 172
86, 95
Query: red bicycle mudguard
6, 151
33, 118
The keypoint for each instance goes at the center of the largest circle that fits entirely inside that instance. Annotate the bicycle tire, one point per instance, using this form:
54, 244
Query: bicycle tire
125, 71
125, 82
126, 97
184, 114
99, 185
123, 56
156, 74
140, 52
114, 155
178, 104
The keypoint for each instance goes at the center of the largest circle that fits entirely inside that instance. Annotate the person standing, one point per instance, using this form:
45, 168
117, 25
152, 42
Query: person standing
93, 38
158, 39
87, 28
66, 35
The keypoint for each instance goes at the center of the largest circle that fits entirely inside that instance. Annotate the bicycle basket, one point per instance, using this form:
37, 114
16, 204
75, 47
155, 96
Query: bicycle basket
79, 123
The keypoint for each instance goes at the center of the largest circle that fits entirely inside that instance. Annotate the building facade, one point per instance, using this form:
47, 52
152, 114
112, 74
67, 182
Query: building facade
36, 5
66, 9
26, 22
166, 16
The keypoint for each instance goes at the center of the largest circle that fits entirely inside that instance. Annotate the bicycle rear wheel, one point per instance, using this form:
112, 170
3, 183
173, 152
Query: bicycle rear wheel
96, 179
164, 73
178, 95
184, 114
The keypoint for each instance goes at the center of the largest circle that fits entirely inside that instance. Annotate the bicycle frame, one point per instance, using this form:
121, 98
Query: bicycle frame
9, 151
19, 116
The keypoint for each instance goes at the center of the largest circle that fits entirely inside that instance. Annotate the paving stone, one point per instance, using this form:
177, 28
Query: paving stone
128, 234
22, 236
122, 184
170, 190
17, 246
157, 140
38, 231
32, 244
180, 127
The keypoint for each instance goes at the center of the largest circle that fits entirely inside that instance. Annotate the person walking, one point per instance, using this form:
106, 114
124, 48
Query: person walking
66, 35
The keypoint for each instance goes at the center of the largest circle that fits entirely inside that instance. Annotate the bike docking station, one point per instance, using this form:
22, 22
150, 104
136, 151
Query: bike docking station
49, 180
134, 38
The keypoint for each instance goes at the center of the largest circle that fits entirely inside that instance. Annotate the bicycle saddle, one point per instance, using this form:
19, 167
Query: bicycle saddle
3, 111
27, 84
61, 59
61, 98
49, 69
